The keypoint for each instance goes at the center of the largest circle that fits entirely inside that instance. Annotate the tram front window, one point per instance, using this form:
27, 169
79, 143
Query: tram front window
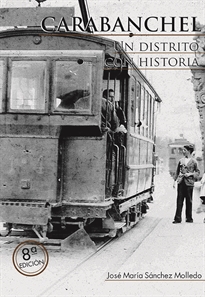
180, 151
173, 151
28, 80
73, 85
1, 83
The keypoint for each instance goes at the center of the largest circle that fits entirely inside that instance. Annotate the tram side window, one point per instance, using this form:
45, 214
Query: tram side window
133, 91
153, 118
73, 85
28, 81
146, 114
150, 116
137, 108
1, 84
142, 112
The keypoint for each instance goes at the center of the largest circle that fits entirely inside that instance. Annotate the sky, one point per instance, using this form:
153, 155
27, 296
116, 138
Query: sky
178, 112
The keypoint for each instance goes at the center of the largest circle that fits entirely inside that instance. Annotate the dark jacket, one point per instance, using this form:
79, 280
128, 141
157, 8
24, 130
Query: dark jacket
191, 166
112, 119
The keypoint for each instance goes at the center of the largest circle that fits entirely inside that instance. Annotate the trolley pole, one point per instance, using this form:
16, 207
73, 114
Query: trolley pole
84, 13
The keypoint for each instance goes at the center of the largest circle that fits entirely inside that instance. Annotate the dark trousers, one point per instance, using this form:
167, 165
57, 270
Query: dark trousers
184, 191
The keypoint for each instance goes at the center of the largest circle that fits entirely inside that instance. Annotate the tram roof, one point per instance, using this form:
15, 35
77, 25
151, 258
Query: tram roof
179, 142
110, 43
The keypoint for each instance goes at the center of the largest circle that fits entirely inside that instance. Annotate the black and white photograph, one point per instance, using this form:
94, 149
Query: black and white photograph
102, 126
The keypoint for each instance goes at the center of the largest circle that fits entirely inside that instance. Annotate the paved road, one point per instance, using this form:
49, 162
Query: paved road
156, 258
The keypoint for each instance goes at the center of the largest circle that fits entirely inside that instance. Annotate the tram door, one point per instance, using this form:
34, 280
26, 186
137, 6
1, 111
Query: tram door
116, 142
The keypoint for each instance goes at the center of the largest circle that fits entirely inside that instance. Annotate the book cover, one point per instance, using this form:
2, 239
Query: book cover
162, 52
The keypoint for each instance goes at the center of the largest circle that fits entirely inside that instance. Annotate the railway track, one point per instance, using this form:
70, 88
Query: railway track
54, 243
61, 263
100, 244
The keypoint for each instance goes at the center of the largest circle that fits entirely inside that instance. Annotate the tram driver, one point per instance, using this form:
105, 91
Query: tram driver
110, 120
116, 119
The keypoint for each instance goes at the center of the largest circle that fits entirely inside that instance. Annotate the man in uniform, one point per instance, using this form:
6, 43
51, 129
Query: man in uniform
109, 118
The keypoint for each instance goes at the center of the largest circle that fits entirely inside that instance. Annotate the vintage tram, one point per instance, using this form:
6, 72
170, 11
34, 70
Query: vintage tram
59, 168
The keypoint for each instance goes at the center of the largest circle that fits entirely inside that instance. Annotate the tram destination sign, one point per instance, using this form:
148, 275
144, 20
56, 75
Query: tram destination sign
33, 16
